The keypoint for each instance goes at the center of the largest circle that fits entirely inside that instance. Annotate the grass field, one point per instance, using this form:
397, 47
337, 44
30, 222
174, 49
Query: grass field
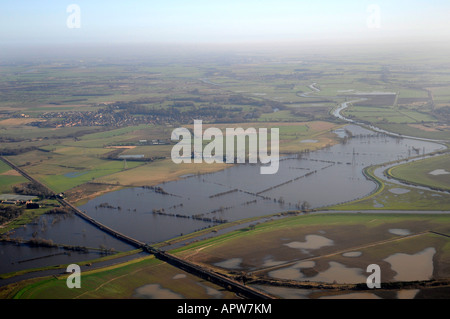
419, 172
69, 158
419, 131
291, 135
387, 115
9, 178
387, 200
70, 163
141, 278
26, 218
61, 172
265, 251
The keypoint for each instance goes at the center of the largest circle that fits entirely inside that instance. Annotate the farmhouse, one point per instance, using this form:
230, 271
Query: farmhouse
16, 199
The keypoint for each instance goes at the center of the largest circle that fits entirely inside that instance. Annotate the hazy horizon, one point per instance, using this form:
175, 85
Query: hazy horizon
202, 22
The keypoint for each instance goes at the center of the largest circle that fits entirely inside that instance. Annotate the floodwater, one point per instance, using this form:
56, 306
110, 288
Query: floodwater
418, 266
354, 295
233, 263
294, 293
439, 172
155, 291
340, 274
61, 229
19, 257
285, 292
407, 293
352, 254
336, 273
293, 272
311, 242
399, 191
320, 178
400, 232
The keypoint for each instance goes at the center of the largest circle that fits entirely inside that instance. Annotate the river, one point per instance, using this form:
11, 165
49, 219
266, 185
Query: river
321, 178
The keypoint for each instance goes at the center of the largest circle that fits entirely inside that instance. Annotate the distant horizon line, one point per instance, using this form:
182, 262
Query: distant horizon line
87, 50
286, 43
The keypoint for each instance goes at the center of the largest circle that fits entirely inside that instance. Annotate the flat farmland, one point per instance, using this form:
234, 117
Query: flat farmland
432, 172
9, 178
145, 278
283, 243
158, 172
441, 95
387, 115
428, 130
423, 256
62, 171
392, 196
319, 133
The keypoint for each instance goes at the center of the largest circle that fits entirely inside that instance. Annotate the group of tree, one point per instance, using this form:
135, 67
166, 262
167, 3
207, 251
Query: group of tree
443, 113
60, 210
9, 212
33, 189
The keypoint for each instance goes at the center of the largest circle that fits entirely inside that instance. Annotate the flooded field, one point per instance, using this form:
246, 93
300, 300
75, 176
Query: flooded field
155, 291
60, 229
418, 266
311, 242
320, 178
316, 179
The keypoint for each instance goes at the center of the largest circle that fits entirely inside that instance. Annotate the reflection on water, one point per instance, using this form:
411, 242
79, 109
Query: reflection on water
290, 273
399, 191
285, 292
155, 291
60, 229
352, 254
19, 257
413, 267
336, 273
341, 274
293, 272
407, 294
355, 295
311, 242
270, 262
400, 232
320, 178
214, 293
233, 263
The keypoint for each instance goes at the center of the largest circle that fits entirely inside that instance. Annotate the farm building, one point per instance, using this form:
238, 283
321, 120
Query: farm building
16, 199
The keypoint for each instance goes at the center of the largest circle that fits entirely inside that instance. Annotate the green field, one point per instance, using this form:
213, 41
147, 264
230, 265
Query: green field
408, 130
141, 278
419, 172
387, 115
260, 247
146, 97
386, 197
9, 178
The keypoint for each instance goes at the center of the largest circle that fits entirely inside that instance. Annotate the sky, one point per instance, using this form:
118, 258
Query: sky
211, 21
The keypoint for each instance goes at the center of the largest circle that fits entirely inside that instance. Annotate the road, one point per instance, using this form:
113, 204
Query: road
187, 266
